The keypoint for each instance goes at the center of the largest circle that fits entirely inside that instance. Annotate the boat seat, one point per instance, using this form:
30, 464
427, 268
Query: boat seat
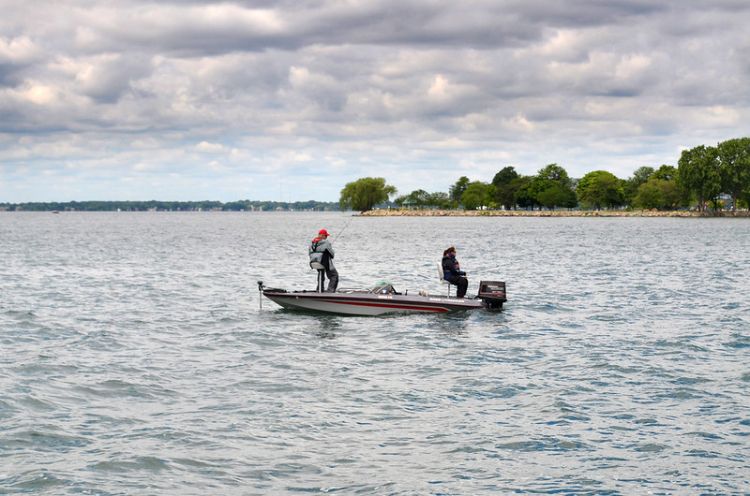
441, 276
321, 274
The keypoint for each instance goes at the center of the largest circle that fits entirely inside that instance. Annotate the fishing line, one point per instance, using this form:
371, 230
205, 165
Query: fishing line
338, 235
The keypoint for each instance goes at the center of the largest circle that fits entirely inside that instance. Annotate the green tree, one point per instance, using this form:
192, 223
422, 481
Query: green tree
661, 194
365, 193
666, 173
555, 196
555, 173
551, 188
649, 195
477, 195
734, 160
418, 198
440, 200
504, 176
530, 194
599, 189
744, 198
640, 176
457, 190
698, 172
506, 187
525, 196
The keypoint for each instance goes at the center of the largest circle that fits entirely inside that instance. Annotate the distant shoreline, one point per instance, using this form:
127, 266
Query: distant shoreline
394, 212
168, 206
549, 213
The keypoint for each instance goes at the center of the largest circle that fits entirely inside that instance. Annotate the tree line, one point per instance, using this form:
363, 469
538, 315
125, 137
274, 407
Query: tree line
175, 206
705, 178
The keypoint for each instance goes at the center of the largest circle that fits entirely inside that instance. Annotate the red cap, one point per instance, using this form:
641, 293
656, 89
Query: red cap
323, 232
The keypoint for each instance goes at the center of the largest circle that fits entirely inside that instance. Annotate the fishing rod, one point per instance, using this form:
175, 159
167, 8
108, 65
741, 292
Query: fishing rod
338, 235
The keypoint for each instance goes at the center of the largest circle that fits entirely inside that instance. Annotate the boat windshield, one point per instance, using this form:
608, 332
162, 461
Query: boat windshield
384, 288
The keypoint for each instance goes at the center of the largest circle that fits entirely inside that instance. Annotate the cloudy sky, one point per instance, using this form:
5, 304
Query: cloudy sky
290, 99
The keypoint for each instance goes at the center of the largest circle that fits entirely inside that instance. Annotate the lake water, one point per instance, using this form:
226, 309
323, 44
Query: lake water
135, 358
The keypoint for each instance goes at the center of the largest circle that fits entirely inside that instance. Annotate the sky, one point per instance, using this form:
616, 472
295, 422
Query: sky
289, 100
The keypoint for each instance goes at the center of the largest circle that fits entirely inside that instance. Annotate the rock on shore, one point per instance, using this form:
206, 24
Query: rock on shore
546, 213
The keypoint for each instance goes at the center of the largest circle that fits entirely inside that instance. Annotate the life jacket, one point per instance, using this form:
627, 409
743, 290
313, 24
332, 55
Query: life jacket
450, 267
318, 257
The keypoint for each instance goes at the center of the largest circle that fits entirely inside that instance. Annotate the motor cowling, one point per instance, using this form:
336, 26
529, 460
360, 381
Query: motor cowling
492, 294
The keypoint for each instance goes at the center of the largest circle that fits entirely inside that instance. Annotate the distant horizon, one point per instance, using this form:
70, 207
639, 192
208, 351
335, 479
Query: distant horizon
166, 201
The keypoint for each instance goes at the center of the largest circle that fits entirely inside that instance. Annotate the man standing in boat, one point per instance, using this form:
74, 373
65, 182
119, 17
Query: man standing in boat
321, 252
452, 272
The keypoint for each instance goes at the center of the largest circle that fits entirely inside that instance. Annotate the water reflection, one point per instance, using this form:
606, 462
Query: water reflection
328, 326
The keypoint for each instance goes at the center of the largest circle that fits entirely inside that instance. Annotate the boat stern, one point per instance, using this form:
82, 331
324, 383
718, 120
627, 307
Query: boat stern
492, 294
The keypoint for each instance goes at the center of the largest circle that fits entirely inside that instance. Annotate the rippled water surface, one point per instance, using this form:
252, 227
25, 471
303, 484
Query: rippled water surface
136, 360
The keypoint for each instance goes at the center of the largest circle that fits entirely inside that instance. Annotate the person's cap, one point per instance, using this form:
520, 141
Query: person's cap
323, 232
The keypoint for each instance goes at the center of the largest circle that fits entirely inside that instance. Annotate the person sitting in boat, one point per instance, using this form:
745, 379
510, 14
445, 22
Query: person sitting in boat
321, 252
452, 271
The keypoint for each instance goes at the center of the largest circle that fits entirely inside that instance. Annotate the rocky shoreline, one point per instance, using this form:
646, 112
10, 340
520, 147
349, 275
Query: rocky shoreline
547, 213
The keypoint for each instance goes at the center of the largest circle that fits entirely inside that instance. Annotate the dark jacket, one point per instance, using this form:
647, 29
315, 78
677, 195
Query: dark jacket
451, 268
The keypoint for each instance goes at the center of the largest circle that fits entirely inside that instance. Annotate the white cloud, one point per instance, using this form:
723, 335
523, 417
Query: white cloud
631, 66
562, 45
39, 94
439, 87
206, 147
18, 50
137, 89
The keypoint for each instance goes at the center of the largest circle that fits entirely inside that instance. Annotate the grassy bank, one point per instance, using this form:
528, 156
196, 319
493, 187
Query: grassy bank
547, 213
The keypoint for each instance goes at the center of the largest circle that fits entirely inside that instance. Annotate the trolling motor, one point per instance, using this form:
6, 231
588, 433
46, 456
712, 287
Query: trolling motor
260, 294
492, 294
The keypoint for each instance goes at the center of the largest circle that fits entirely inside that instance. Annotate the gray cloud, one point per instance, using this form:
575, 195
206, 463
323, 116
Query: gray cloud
168, 98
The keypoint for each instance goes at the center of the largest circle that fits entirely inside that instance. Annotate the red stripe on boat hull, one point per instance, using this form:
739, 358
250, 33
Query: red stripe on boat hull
387, 305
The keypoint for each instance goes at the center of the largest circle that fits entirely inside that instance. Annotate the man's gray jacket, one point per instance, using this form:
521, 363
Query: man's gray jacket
321, 251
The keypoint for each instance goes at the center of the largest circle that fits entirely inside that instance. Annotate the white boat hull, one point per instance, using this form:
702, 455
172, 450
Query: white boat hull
371, 305
385, 300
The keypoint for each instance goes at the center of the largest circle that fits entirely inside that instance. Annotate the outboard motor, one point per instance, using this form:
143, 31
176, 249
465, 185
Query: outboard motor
492, 294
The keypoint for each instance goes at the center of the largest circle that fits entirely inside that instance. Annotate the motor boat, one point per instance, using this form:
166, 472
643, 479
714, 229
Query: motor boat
384, 299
